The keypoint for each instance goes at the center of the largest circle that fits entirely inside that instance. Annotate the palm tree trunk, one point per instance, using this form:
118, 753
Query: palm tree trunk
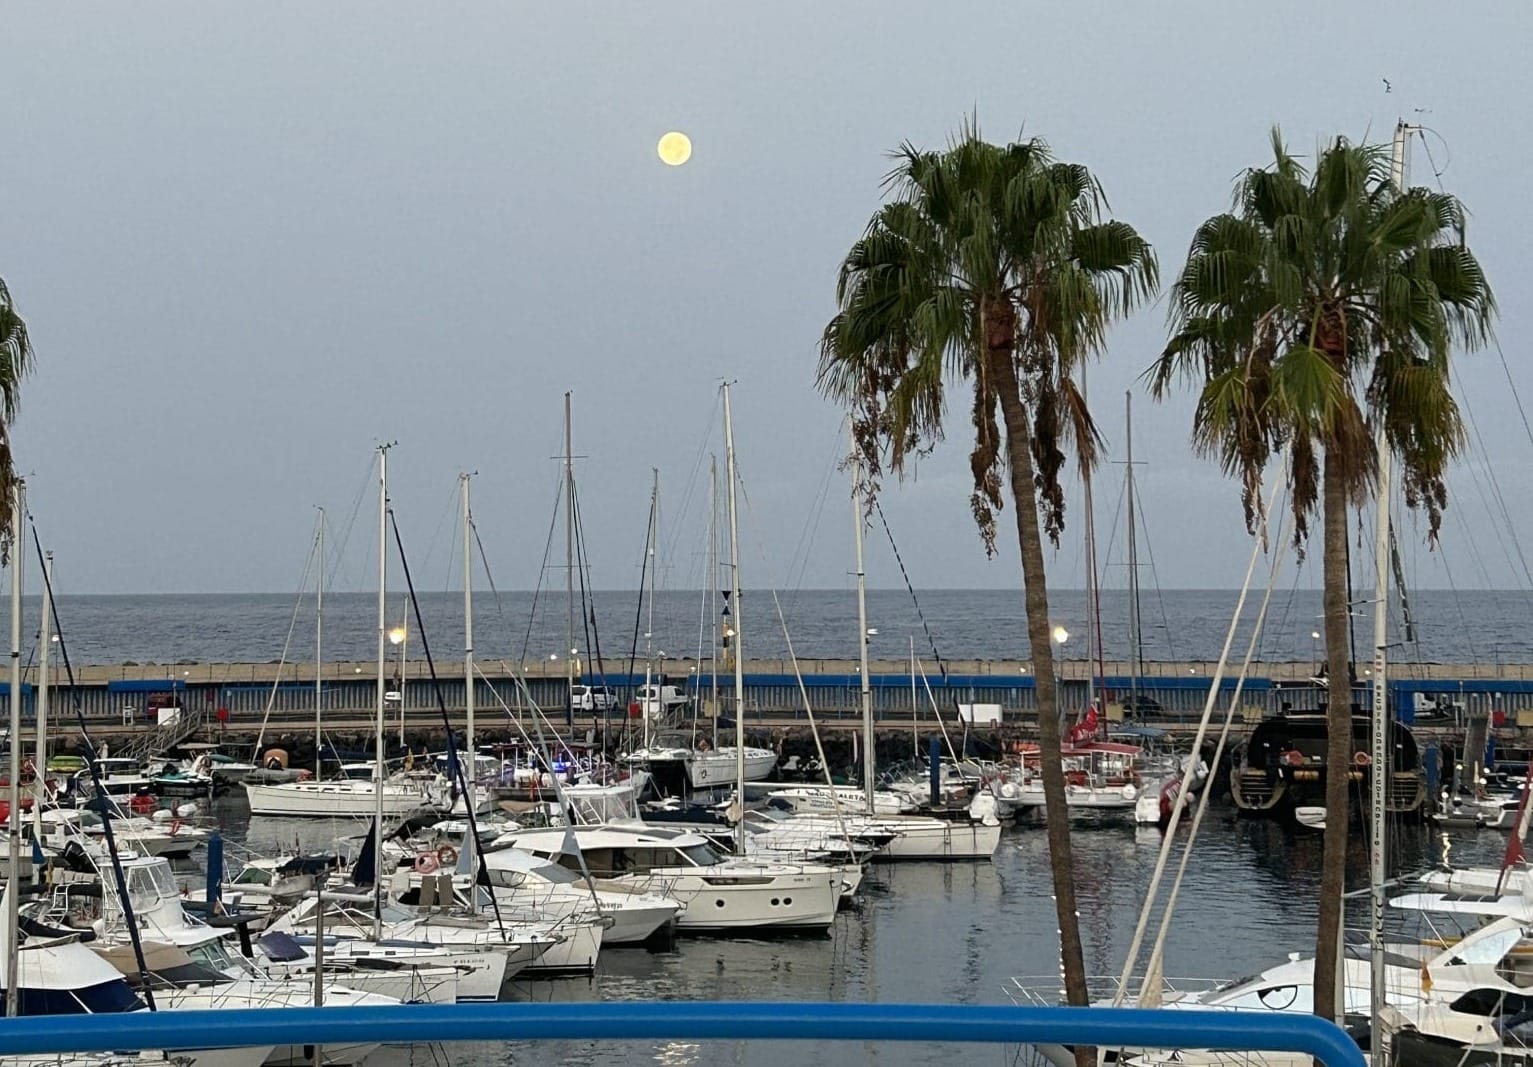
1019, 457
1338, 753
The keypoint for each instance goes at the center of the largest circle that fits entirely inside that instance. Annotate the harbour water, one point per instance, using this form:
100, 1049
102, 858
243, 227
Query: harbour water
948, 933
1479, 627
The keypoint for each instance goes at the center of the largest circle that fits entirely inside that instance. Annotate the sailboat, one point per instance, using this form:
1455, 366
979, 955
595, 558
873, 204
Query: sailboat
720, 894
967, 836
703, 765
352, 797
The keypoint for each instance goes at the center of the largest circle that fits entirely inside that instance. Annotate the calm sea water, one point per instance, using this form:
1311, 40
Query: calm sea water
949, 933
1468, 627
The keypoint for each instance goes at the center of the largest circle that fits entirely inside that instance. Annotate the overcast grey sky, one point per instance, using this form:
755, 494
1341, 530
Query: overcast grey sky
251, 240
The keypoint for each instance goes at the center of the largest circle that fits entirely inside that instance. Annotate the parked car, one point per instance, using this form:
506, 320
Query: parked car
592, 698
657, 700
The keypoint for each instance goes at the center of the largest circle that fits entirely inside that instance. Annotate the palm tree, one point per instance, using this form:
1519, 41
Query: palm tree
15, 363
990, 266
1323, 306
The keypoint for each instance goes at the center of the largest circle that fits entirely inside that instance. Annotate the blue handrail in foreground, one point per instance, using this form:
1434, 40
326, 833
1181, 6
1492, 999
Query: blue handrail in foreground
683, 1020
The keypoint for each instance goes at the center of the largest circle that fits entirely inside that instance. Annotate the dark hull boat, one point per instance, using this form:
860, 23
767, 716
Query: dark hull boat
1284, 766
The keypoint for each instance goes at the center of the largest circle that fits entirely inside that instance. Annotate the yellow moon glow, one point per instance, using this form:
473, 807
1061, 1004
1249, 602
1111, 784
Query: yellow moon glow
675, 148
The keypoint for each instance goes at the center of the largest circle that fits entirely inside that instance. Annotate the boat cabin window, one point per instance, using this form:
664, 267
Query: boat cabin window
253, 876
615, 862
1487, 1001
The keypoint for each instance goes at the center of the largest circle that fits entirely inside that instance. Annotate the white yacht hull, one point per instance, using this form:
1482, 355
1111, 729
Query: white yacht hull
846, 799
340, 799
708, 769
273, 995
744, 901
941, 839
576, 954
406, 984
633, 920
634, 925
480, 974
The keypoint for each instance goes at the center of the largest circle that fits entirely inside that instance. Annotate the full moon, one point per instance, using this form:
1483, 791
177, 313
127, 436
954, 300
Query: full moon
675, 148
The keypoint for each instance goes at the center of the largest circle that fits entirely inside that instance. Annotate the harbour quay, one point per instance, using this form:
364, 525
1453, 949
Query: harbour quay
239, 697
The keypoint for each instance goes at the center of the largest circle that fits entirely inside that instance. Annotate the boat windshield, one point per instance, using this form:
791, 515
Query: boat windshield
215, 954
702, 855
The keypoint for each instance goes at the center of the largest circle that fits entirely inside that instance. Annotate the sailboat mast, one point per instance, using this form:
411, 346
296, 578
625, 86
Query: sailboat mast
739, 617
869, 757
383, 534
655, 705
13, 823
569, 568
1378, 869
468, 645
1093, 602
319, 641
915, 702
1135, 634
713, 589
45, 646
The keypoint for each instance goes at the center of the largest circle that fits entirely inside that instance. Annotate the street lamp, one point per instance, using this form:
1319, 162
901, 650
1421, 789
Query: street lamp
1314, 646
397, 636
1060, 635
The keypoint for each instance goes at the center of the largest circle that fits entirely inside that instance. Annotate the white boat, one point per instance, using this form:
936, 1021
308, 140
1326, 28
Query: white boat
719, 894
61, 976
575, 933
844, 798
486, 957
271, 884
173, 837
407, 981
1310, 816
521, 879
1101, 776
704, 766
344, 798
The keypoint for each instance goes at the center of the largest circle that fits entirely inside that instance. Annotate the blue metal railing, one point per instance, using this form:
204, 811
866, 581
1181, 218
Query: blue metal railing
684, 1020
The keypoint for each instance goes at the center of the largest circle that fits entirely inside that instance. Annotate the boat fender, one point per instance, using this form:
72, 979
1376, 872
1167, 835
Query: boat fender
186, 811
1361, 758
425, 863
447, 855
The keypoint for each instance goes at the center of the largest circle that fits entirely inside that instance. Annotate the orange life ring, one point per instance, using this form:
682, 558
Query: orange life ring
425, 863
447, 855
1361, 759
